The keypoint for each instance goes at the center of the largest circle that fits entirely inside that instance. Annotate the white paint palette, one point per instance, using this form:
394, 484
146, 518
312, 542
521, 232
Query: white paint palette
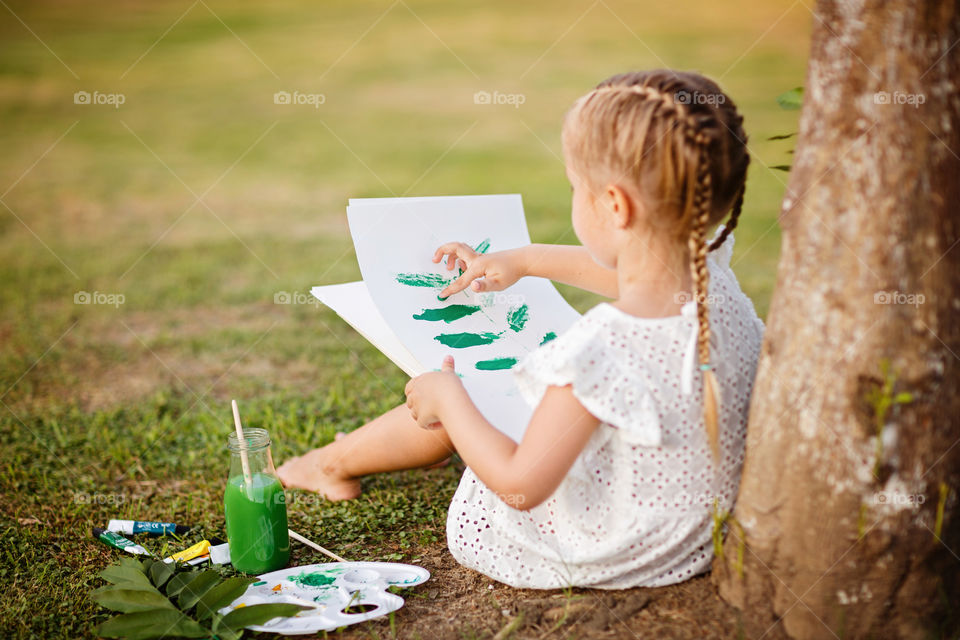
329, 589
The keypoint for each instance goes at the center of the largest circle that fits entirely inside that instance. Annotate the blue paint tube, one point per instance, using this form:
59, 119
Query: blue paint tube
131, 527
117, 541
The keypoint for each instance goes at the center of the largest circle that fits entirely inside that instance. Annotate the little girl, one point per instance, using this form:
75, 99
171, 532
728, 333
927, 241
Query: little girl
641, 406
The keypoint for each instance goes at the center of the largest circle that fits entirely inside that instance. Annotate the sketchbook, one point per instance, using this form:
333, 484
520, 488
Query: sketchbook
397, 307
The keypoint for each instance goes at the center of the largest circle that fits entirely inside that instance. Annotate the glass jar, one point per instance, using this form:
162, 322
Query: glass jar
256, 512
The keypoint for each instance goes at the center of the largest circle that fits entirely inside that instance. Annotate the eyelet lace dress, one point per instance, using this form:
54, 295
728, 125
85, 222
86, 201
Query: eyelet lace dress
636, 507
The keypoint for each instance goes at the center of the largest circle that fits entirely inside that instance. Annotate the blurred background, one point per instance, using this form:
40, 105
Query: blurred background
165, 208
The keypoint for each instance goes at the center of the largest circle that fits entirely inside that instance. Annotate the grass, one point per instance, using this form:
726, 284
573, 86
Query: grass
199, 199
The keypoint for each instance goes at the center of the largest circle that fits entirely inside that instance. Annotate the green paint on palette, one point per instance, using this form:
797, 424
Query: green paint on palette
547, 338
517, 317
483, 247
432, 280
466, 339
447, 314
315, 579
259, 584
495, 364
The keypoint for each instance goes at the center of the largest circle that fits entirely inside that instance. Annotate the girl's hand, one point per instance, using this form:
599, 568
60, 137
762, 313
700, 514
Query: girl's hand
482, 272
427, 393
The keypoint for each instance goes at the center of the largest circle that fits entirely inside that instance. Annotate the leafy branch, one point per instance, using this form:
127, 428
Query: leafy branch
789, 101
186, 608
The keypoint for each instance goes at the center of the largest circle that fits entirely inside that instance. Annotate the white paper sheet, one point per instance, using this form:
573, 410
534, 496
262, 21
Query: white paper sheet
353, 303
395, 239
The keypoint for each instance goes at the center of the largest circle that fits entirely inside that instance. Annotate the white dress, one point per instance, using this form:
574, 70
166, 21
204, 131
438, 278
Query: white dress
636, 507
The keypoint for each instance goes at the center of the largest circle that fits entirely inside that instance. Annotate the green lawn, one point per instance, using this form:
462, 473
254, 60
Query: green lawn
199, 199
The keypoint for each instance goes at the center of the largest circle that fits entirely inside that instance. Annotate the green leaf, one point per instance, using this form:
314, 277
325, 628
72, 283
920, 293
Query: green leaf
203, 582
222, 595
160, 572
127, 600
256, 614
226, 633
178, 582
156, 623
791, 100
126, 574
904, 397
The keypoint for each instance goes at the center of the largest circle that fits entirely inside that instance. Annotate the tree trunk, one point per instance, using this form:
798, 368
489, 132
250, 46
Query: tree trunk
847, 519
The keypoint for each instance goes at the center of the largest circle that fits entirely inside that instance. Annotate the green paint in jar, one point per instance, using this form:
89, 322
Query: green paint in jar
256, 512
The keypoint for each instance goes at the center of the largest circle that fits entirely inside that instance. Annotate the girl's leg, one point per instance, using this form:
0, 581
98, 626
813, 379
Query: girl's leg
392, 442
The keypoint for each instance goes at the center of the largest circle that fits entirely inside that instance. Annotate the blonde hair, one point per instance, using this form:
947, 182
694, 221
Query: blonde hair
679, 141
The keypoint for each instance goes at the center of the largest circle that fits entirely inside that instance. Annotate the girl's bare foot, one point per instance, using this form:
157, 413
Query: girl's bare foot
313, 472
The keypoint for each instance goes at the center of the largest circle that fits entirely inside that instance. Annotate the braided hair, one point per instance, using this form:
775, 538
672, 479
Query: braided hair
679, 140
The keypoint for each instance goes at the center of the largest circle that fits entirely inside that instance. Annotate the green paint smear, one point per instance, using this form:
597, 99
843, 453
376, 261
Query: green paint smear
315, 579
447, 314
433, 280
547, 338
257, 584
496, 364
481, 248
517, 317
464, 340
459, 375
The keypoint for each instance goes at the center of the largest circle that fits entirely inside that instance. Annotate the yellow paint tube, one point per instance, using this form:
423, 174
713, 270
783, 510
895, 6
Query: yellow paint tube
202, 548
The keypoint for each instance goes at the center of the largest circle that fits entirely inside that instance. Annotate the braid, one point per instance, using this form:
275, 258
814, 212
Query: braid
703, 193
649, 93
732, 223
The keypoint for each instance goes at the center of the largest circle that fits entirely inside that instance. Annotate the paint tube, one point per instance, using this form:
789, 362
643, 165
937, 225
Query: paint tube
195, 554
117, 541
190, 553
131, 527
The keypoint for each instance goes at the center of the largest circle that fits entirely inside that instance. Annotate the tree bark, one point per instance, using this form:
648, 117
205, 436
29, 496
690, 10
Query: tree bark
844, 532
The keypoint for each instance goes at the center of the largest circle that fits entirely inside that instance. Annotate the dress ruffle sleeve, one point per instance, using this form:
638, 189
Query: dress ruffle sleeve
605, 382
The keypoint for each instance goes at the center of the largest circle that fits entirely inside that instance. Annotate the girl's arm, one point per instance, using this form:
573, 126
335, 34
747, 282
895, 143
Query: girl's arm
525, 474
571, 265
568, 264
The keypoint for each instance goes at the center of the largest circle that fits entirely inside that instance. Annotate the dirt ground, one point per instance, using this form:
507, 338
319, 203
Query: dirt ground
459, 603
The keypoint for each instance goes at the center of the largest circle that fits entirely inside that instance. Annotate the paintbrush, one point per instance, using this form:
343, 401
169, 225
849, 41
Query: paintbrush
244, 461
299, 538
